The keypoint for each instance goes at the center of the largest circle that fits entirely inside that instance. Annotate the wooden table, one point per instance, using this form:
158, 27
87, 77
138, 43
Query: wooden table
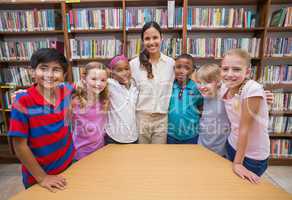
155, 172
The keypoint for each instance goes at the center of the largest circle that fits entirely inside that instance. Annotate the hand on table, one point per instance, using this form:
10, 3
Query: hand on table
53, 182
244, 173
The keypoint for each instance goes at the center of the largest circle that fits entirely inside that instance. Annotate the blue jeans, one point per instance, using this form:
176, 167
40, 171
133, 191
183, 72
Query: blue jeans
256, 166
172, 140
109, 140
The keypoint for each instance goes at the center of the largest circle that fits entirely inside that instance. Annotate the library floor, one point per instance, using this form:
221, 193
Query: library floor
10, 179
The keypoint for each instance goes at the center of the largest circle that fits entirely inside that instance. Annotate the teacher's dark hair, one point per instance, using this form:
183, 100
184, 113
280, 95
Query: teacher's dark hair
144, 55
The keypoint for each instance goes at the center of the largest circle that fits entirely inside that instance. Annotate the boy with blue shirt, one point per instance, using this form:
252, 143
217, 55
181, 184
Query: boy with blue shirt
38, 127
185, 103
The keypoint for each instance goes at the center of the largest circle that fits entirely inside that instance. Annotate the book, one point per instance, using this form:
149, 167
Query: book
278, 17
170, 13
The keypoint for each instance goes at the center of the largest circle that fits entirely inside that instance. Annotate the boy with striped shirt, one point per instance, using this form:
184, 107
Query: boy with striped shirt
38, 128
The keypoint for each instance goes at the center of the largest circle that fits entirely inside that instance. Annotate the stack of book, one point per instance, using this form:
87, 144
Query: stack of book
95, 48
216, 47
281, 148
278, 47
30, 20
282, 102
280, 124
136, 17
281, 17
276, 74
221, 17
22, 50
95, 18
17, 76
170, 46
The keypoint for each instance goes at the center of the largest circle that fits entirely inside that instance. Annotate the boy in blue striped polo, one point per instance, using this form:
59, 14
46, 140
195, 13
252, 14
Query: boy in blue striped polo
185, 102
38, 128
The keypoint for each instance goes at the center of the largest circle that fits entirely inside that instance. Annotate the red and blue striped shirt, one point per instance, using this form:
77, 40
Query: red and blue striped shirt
46, 129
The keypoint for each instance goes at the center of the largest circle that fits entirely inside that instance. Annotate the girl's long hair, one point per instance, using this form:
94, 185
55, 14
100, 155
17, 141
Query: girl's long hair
81, 92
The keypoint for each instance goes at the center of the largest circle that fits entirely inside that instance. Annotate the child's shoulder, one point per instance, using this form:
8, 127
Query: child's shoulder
252, 88
67, 86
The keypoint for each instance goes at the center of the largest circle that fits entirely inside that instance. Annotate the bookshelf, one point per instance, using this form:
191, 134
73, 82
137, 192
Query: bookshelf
180, 32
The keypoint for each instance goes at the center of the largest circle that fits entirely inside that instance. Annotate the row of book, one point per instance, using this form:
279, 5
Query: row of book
276, 74
30, 20
95, 18
221, 17
282, 102
216, 47
170, 46
280, 124
22, 50
277, 47
18, 76
281, 17
136, 17
281, 148
95, 48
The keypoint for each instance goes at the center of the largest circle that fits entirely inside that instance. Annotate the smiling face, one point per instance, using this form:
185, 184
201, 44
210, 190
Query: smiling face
48, 75
234, 71
121, 72
183, 69
152, 40
95, 81
208, 89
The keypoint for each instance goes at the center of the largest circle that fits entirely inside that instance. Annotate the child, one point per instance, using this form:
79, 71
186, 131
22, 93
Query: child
121, 127
183, 116
41, 138
214, 123
248, 144
89, 108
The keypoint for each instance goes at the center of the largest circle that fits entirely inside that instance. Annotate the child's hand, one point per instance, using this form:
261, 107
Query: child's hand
53, 182
270, 97
244, 173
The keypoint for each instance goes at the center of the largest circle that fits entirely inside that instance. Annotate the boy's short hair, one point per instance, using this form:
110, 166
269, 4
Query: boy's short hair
186, 56
240, 53
208, 72
45, 55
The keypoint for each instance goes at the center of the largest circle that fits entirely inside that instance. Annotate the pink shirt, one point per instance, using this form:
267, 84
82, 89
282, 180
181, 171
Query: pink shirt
258, 145
88, 129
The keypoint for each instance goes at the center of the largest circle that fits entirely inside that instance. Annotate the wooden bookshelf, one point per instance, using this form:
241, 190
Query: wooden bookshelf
280, 113
261, 31
281, 135
227, 30
280, 161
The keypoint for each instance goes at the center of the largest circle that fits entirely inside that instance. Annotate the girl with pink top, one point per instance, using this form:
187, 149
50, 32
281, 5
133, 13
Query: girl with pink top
89, 110
248, 144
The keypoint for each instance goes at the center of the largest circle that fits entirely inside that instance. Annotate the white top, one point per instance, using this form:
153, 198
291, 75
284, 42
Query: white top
122, 112
154, 94
258, 145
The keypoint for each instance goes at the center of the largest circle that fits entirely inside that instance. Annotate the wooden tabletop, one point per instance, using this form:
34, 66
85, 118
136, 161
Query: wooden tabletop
155, 172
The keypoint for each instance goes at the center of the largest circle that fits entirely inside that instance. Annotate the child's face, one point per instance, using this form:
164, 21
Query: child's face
152, 40
183, 69
95, 81
234, 71
208, 89
49, 75
121, 72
